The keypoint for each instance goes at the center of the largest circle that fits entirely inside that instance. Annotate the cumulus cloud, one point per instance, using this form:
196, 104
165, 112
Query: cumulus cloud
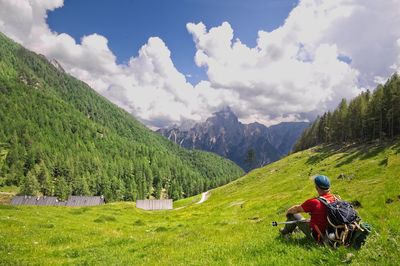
25, 21
366, 31
294, 72
273, 80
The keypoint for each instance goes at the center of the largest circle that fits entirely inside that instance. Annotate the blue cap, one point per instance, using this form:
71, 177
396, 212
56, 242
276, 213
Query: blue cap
322, 182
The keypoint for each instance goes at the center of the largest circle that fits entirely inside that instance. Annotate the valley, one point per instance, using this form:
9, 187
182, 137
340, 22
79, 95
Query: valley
232, 227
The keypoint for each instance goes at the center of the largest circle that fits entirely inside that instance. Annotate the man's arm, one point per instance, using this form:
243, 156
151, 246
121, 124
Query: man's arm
295, 209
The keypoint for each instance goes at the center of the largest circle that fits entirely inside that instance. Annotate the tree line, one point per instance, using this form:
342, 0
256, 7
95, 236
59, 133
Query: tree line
369, 116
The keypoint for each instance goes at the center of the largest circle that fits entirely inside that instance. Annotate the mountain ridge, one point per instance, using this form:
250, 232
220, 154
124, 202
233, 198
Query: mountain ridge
248, 145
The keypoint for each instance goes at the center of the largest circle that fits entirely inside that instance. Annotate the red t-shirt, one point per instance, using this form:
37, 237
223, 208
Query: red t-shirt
318, 212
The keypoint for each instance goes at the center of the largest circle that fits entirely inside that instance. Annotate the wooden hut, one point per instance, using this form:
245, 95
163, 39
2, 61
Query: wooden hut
150, 205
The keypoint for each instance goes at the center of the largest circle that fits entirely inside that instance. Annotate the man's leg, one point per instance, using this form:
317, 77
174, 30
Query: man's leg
306, 229
303, 226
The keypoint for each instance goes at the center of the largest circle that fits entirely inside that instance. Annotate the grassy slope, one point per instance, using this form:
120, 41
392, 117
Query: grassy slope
232, 227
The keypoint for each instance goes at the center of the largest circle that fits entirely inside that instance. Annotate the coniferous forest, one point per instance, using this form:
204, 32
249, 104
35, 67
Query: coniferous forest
369, 116
59, 137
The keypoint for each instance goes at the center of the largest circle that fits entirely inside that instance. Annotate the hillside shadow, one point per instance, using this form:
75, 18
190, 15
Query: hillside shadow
351, 152
322, 154
332, 149
348, 158
364, 153
371, 151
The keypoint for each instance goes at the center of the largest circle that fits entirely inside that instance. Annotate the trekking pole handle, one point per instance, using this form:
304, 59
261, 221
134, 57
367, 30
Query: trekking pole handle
288, 222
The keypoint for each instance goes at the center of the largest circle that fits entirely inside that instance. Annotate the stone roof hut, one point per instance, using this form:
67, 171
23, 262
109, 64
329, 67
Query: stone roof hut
53, 201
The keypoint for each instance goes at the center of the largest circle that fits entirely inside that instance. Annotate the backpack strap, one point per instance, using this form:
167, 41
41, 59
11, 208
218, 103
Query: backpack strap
323, 200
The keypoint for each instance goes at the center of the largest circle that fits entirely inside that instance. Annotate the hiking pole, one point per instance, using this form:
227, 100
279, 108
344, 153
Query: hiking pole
290, 222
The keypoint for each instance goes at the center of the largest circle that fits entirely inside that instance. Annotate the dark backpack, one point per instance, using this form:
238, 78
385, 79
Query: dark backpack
359, 236
343, 222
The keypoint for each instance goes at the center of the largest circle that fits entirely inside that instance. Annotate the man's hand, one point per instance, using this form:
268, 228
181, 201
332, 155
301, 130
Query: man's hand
294, 209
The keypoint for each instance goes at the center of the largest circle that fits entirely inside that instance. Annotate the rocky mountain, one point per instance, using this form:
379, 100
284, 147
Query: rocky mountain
248, 145
283, 136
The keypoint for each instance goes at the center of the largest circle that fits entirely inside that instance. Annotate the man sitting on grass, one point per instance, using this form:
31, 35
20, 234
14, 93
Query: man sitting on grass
315, 228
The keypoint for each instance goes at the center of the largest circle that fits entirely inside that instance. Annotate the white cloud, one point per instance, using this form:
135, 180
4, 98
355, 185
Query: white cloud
292, 73
273, 81
296, 70
366, 31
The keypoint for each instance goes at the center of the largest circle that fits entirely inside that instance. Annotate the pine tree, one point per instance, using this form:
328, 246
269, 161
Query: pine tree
117, 189
45, 180
157, 185
30, 185
80, 187
131, 193
62, 190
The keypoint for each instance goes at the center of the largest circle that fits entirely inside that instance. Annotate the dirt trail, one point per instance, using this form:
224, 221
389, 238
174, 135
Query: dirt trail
204, 197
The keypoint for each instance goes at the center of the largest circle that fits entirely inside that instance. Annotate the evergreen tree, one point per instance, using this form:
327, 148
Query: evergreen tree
157, 184
117, 189
80, 187
45, 180
62, 190
30, 185
131, 192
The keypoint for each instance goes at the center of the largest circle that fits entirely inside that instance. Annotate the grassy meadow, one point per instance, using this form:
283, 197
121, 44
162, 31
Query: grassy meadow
233, 227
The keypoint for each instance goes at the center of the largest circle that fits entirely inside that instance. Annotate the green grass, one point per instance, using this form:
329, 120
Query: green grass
233, 227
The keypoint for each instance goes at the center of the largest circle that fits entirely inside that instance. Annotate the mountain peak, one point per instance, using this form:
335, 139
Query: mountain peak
226, 109
226, 114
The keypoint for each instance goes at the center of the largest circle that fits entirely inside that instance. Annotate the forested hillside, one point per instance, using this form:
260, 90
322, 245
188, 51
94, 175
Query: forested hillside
369, 116
59, 137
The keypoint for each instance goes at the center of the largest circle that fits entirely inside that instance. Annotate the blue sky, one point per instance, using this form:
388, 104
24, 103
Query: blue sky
295, 59
128, 24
